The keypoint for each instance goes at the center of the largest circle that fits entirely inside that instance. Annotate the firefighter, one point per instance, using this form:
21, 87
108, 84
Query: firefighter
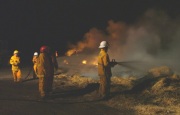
104, 70
54, 59
54, 67
34, 60
44, 70
15, 62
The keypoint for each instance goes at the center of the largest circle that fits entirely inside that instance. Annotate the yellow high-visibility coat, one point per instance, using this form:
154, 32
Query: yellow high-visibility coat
104, 71
104, 67
44, 71
34, 60
43, 68
15, 61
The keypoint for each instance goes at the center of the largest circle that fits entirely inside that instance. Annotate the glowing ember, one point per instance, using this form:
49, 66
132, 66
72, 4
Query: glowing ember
84, 62
95, 63
66, 62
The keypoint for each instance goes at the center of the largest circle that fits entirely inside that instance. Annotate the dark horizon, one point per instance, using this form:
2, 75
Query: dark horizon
27, 25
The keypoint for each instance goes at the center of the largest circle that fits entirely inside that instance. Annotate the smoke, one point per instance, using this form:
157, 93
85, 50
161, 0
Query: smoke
154, 40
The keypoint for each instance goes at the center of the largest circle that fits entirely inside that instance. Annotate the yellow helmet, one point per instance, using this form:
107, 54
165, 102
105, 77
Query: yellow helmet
16, 51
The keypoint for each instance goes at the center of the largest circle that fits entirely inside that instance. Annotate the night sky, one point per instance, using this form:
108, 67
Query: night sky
28, 24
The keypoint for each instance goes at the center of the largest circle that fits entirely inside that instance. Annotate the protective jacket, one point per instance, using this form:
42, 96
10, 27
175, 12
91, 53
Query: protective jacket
104, 66
34, 60
44, 65
15, 61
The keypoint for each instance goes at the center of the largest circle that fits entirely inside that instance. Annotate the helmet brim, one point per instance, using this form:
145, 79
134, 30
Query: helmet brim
103, 46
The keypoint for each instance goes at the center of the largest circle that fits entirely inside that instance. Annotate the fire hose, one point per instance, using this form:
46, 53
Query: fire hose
127, 64
28, 74
124, 62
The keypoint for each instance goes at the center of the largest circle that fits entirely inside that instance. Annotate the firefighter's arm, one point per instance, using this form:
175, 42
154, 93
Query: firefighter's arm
14, 61
105, 60
17, 61
11, 61
34, 61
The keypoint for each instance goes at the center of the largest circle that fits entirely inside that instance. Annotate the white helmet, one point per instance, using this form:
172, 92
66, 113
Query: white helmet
103, 44
35, 53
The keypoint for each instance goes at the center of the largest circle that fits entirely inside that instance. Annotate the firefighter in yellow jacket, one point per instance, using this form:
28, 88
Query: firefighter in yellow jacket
34, 60
104, 70
44, 70
15, 62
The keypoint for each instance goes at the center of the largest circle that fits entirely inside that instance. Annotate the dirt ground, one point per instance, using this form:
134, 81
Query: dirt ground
23, 99
157, 93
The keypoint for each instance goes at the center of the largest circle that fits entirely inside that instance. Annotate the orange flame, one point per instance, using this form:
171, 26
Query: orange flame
71, 52
91, 41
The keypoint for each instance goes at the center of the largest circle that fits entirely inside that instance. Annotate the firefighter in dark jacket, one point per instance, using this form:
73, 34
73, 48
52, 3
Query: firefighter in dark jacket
104, 70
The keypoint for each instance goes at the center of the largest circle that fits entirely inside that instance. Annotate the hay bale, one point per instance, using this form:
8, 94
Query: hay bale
160, 71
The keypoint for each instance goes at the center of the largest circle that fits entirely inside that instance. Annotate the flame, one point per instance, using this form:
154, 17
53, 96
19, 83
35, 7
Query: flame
84, 62
71, 52
91, 41
65, 61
